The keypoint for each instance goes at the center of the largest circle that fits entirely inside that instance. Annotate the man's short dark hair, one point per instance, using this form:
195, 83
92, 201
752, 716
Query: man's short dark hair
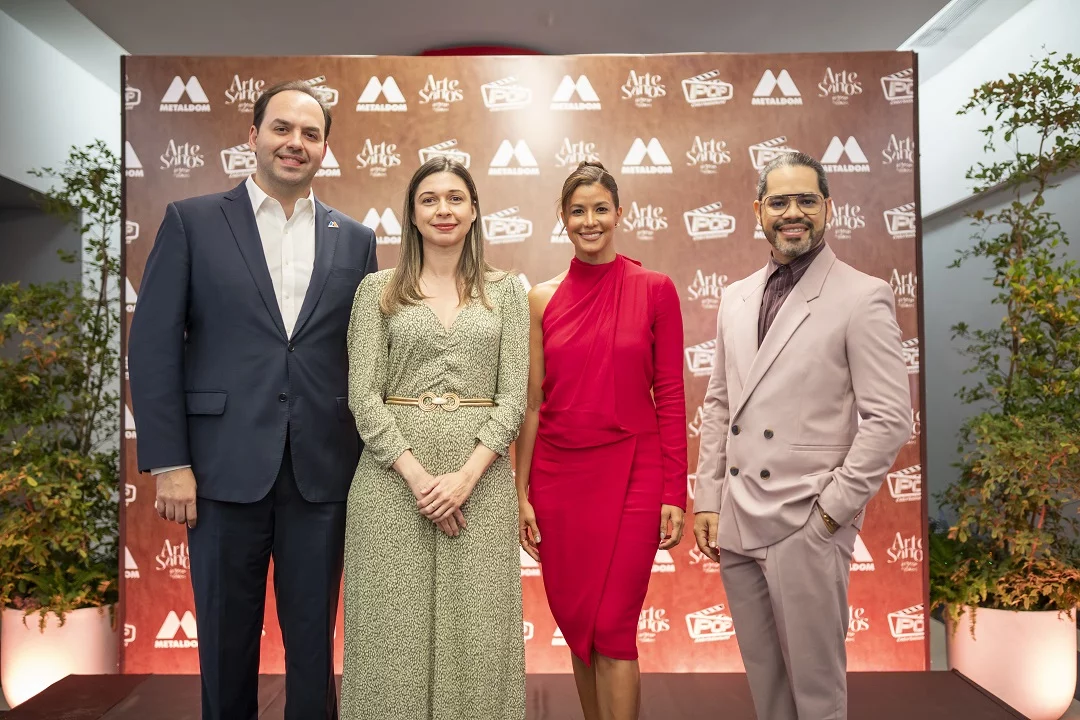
295, 86
793, 159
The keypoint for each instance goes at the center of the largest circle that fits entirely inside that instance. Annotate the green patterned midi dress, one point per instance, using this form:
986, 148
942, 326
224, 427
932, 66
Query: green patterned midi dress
433, 627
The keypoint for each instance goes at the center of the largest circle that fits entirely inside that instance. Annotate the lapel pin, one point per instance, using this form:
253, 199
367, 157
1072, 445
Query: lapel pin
333, 224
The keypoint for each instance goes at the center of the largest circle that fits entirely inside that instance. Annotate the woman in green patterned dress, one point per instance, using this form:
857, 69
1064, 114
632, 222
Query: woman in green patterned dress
438, 366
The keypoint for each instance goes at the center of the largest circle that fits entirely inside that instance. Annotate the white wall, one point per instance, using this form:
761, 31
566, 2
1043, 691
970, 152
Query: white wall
49, 104
949, 145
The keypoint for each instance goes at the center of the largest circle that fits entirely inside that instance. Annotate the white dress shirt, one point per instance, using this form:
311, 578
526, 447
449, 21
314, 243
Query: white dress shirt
289, 249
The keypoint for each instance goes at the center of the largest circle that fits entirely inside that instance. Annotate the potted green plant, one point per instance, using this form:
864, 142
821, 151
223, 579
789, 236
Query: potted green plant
59, 456
1007, 569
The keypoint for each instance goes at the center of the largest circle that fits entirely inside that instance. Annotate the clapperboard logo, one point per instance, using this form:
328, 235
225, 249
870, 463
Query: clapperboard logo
528, 630
130, 493
763, 153
132, 96
900, 221
710, 625
131, 231
238, 161
910, 348
899, 88
709, 222
906, 485
505, 94
447, 148
908, 624
385, 225
699, 358
130, 633
327, 95
505, 227
705, 89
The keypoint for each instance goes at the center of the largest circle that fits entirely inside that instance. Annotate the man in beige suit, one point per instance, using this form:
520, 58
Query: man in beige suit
807, 408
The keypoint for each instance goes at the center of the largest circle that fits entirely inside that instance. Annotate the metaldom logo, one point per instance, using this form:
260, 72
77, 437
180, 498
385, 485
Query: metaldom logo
129, 424
330, 166
857, 162
705, 89
131, 570
387, 90
659, 164
197, 100
765, 152
130, 296
175, 626
906, 485
643, 88
520, 153
709, 222
447, 148
663, 562
506, 227
386, 227
132, 165
644, 220
529, 567
558, 234
769, 84
563, 99
861, 560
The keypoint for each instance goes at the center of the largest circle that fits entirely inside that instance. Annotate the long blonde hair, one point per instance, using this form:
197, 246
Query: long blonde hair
403, 287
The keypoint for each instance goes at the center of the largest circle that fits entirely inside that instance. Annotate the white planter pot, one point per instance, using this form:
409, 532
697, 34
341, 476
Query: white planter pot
31, 660
1027, 659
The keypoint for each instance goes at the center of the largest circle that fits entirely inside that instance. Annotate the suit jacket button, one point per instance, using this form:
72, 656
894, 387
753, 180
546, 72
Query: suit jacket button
291, 347
734, 471
734, 429
764, 474
768, 434
282, 397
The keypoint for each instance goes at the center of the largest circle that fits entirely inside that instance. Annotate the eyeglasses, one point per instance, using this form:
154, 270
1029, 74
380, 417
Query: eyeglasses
808, 203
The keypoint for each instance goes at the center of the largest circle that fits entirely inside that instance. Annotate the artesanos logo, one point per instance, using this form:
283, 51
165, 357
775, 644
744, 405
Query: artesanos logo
131, 570
557, 639
643, 88
857, 622
856, 158
861, 560
377, 157
709, 222
710, 625
131, 231
699, 358
177, 633
644, 220
900, 221
130, 493
909, 624
571, 153
330, 167
899, 88
327, 95
707, 288
447, 148
908, 551
520, 154
132, 96
840, 86
563, 99
440, 94
701, 560
506, 227
558, 234
910, 348
182, 158
529, 567
130, 296
528, 630
130, 634
846, 219
129, 424
765, 152
178, 89
916, 426
175, 559
244, 93
132, 165
651, 622
238, 161
768, 85
706, 89
693, 428
900, 153
905, 287
906, 485
663, 562
386, 91
707, 155
505, 94
659, 164
386, 227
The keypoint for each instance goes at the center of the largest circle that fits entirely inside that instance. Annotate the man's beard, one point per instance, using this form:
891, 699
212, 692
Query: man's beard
792, 250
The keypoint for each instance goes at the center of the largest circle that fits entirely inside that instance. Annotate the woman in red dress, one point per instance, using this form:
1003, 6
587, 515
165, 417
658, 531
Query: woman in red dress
601, 458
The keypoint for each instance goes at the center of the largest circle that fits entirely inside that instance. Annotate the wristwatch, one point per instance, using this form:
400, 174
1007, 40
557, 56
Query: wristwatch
831, 525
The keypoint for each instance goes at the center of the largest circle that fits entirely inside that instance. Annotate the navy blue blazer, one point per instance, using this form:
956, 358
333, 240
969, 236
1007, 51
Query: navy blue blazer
215, 381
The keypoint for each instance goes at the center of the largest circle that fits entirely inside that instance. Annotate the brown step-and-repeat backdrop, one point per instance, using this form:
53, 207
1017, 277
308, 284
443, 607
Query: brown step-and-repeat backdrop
685, 135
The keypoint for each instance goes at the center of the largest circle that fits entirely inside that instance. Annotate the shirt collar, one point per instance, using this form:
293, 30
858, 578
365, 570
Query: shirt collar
796, 266
258, 196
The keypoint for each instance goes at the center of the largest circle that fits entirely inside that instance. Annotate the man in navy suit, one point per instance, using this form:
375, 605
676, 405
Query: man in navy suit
238, 369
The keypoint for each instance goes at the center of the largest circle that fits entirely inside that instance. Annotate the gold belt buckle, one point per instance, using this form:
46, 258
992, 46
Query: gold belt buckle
449, 402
